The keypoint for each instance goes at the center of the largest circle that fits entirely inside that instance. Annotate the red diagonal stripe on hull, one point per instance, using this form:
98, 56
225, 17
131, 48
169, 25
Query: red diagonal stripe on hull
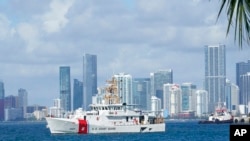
83, 126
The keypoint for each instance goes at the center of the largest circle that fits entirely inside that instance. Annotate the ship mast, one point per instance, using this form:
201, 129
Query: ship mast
111, 95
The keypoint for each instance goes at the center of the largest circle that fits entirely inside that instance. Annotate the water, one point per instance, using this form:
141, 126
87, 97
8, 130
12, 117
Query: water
175, 131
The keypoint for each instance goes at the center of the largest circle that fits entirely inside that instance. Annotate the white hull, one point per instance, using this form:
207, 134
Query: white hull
63, 125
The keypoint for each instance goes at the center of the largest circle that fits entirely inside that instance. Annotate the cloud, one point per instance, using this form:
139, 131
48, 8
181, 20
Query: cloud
55, 18
5, 30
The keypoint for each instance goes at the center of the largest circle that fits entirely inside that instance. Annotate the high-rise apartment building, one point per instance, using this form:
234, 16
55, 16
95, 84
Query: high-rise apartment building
65, 87
245, 89
155, 105
141, 92
188, 97
77, 94
202, 103
157, 80
89, 79
232, 97
241, 69
172, 99
23, 100
57, 109
215, 74
2, 94
124, 84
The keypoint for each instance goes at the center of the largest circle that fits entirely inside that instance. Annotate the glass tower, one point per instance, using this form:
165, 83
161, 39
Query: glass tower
77, 94
23, 100
158, 79
241, 69
245, 88
65, 89
89, 79
188, 97
215, 74
1, 100
141, 92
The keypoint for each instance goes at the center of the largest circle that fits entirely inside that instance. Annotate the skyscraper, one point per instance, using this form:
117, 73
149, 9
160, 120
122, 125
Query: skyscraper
188, 97
77, 94
2, 94
155, 105
241, 69
23, 100
157, 80
124, 84
89, 79
215, 74
245, 89
65, 87
202, 103
172, 99
232, 97
141, 92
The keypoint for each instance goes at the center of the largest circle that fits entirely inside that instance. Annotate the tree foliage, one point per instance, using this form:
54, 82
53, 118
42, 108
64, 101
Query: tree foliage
238, 14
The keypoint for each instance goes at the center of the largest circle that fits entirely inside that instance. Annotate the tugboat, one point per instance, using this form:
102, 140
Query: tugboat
221, 115
111, 116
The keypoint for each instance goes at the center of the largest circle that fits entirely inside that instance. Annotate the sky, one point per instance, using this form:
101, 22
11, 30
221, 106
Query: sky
131, 36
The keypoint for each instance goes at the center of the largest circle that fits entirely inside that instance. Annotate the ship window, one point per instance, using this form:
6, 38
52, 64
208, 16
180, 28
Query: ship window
127, 119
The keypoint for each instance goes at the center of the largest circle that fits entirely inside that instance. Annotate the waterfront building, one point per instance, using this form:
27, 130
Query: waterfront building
57, 109
232, 97
155, 105
23, 100
141, 92
124, 84
99, 97
241, 69
172, 99
13, 114
157, 80
65, 87
40, 114
245, 89
89, 79
215, 74
202, 103
77, 94
2, 95
188, 97
33, 108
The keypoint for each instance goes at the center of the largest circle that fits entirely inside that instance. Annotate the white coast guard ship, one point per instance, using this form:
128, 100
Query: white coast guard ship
110, 117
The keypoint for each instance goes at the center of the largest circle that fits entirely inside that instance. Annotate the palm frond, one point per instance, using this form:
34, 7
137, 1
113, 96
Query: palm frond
238, 11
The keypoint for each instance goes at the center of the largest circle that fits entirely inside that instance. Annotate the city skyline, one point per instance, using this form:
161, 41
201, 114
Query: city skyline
136, 37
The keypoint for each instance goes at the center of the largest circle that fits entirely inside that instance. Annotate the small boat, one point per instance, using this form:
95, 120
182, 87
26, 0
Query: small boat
221, 115
111, 116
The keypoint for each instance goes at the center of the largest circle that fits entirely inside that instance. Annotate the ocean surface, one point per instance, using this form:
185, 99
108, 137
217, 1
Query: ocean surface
175, 131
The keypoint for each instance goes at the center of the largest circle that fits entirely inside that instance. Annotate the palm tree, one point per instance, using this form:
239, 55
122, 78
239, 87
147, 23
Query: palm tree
238, 11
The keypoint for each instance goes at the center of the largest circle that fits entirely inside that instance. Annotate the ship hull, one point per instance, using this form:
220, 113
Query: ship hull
76, 126
215, 122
